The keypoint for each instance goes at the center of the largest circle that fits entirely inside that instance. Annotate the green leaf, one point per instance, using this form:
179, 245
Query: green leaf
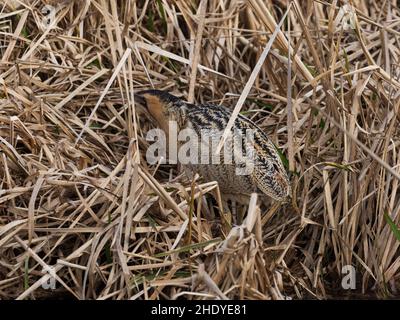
95, 63
315, 111
57, 129
25, 33
95, 125
152, 222
393, 226
284, 160
150, 21
339, 166
108, 254
322, 123
311, 69
171, 64
346, 59
163, 16
261, 104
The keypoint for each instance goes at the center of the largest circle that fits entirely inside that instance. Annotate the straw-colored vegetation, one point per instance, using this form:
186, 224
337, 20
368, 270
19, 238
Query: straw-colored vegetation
77, 194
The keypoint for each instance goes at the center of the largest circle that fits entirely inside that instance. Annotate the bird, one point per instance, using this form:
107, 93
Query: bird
268, 175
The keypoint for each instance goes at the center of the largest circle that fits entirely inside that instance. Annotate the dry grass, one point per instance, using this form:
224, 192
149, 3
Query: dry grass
77, 194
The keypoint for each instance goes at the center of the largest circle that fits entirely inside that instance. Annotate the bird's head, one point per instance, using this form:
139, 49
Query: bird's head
161, 105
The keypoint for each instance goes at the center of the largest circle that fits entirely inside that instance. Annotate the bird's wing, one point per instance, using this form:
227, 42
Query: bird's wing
268, 172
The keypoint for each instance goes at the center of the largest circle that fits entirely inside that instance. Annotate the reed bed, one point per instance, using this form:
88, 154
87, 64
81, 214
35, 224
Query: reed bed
80, 204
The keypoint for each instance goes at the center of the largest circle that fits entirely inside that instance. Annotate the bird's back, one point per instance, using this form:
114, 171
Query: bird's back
248, 162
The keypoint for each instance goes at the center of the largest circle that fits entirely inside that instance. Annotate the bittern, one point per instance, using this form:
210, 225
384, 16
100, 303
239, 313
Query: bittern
268, 175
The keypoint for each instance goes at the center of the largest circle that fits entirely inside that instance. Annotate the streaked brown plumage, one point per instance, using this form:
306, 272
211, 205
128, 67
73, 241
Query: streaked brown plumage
269, 175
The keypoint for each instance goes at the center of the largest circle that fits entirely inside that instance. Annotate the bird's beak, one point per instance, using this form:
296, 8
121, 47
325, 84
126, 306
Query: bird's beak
140, 99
